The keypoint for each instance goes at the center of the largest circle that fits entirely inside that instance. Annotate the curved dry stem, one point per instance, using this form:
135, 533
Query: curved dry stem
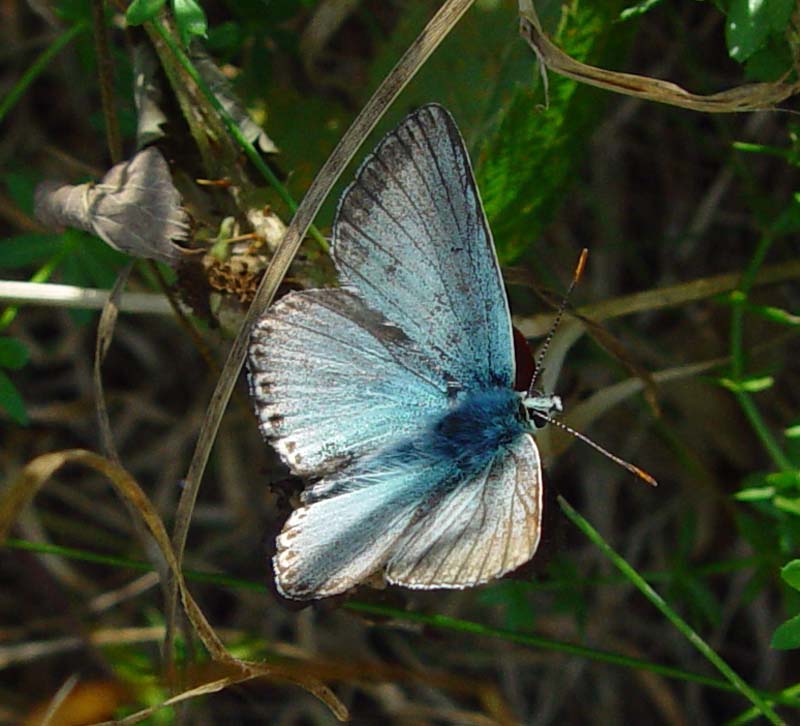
749, 97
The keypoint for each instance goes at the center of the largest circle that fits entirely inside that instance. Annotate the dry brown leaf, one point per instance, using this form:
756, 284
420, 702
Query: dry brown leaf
221, 87
135, 209
147, 96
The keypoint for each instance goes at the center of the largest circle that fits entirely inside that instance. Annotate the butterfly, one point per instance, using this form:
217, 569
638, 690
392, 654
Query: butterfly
394, 392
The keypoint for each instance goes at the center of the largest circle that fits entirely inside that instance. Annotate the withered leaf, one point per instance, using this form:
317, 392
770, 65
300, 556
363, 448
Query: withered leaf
221, 87
147, 97
135, 209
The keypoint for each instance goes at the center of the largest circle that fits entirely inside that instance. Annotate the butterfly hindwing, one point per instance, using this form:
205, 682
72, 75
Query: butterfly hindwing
411, 237
486, 526
349, 525
427, 523
332, 380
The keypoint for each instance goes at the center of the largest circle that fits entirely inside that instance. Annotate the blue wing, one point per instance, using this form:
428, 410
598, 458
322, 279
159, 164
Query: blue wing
332, 380
411, 237
423, 522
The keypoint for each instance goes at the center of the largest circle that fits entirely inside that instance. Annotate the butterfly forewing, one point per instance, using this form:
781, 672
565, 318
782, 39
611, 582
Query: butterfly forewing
411, 236
332, 380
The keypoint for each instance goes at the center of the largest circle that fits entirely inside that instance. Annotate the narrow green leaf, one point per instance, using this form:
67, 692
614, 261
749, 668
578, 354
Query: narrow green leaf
140, 11
753, 384
787, 635
13, 354
190, 19
750, 148
682, 626
11, 401
755, 494
639, 9
790, 573
784, 479
27, 249
786, 504
793, 432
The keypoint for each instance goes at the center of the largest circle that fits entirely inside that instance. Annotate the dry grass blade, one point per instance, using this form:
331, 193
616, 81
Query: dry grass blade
202, 690
664, 297
36, 474
58, 699
105, 332
214, 686
749, 97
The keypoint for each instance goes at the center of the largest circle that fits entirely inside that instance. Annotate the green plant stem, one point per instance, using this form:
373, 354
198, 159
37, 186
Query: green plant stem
36, 68
738, 358
233, 127
442, 622
752, 713
682, 626
105, 77
762, 431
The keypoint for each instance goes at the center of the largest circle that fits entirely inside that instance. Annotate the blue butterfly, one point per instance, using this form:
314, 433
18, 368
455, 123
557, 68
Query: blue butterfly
395, 391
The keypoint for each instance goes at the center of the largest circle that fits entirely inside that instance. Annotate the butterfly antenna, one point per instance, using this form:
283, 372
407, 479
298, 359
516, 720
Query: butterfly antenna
561, 308
632, 468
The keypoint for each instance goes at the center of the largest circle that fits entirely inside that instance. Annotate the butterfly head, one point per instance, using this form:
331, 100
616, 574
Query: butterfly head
546, 406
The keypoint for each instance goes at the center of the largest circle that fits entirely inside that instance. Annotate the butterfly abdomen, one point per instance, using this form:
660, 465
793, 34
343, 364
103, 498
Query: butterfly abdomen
472, 432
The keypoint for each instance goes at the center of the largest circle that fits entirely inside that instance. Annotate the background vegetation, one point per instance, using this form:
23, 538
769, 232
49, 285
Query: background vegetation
694, 215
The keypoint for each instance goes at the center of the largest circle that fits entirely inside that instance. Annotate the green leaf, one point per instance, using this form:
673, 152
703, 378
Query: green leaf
225, 39
28, 249
190, 19
790, 573
755, 494
140, 11
787, 504
787, 635
784, 479
13, 354
11, 401
530, 157
21, 185
793, 432
639, 9
770, 62
751, 384
776, 315
750, 22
